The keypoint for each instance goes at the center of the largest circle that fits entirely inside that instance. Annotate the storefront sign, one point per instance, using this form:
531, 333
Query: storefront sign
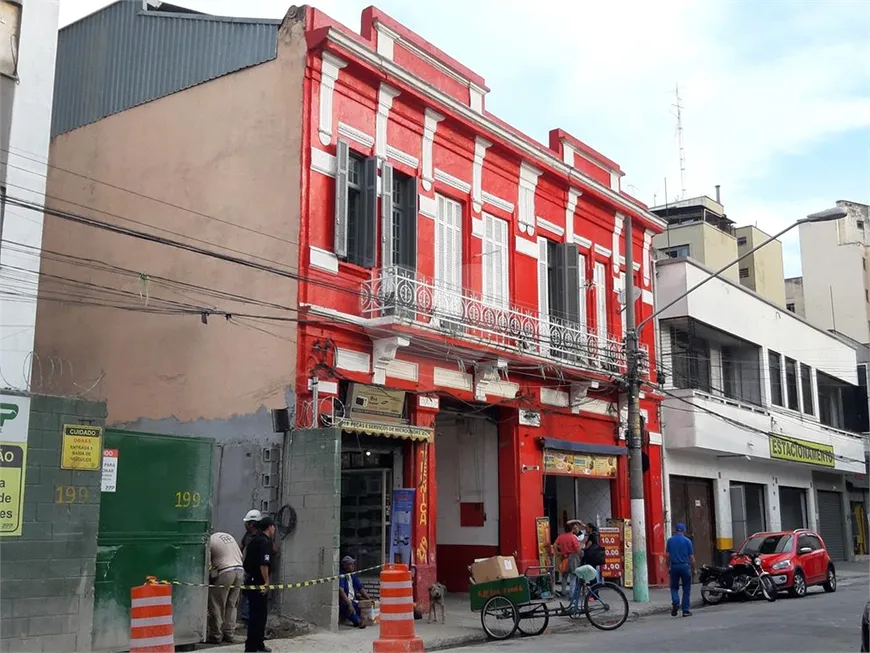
542, 526
611, 541
418, 433
375, 403
579, 464
400, 526
82, 447
801, 451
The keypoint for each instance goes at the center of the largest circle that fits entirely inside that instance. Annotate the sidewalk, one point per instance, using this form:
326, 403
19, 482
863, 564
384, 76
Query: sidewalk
463, 627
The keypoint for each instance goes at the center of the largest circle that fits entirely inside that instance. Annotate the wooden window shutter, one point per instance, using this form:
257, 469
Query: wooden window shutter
408, 226
386, 215
570, 281
342, 163
367, 224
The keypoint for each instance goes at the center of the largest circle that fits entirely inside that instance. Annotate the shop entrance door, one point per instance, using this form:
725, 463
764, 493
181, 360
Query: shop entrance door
365, 515
692, 504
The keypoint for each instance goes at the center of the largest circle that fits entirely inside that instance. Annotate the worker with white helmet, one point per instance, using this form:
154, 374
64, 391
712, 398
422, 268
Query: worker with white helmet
252, 518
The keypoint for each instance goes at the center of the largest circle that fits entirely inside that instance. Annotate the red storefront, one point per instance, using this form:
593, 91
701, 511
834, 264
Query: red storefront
451, 257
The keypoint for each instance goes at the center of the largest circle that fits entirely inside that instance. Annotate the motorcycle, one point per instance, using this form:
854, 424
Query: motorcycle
741, 579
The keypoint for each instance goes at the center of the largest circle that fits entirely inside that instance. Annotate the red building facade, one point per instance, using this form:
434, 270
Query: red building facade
449, 256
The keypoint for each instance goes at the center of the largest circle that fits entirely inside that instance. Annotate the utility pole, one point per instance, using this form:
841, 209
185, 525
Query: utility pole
633, 437
632, 357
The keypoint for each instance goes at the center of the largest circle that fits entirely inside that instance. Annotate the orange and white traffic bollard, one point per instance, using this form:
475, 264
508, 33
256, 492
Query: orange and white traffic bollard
397, 633
151, 628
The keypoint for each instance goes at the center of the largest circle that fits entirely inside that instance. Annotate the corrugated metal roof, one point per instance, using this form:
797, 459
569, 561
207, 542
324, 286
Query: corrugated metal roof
122, 56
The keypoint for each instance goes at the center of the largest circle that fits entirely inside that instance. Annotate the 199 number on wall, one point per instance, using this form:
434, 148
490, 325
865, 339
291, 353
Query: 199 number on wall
187, 499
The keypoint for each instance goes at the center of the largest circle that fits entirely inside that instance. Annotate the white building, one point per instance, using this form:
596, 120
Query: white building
755, 421
835, 289
28, 40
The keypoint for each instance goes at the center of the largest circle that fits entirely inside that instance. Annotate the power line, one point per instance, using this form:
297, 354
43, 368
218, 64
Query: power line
136, 193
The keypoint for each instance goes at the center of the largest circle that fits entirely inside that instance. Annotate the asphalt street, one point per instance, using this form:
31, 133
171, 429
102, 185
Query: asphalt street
817, 622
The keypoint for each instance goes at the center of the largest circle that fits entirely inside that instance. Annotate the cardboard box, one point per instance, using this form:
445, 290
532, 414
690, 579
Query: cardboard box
495, 568
370, 612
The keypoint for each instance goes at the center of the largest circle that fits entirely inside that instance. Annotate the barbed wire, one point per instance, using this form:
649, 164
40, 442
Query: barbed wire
53, 375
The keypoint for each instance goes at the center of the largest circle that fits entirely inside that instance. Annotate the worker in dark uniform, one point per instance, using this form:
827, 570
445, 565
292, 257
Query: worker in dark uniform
258, 571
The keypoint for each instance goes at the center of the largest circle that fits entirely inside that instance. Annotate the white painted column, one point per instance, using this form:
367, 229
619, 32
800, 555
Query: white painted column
812, 508
430, 124
329, 67
386, 94
771, 499
722, 506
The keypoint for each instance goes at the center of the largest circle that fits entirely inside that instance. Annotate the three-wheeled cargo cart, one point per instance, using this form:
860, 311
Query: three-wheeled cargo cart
510, 604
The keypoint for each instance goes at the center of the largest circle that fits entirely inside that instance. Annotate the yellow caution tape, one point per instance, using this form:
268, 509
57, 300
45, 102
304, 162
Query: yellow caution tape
152, 580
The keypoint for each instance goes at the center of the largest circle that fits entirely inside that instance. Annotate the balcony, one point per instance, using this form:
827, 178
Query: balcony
719, 425
411, 299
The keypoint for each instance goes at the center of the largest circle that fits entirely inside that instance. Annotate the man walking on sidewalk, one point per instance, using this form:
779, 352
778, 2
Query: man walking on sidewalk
681, 564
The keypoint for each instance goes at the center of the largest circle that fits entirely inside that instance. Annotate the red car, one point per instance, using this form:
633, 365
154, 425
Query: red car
796, 560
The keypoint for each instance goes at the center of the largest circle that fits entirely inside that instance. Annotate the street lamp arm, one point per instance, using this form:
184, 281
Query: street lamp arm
714, 275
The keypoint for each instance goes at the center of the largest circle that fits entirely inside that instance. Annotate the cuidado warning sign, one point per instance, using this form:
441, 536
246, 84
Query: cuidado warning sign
82, 447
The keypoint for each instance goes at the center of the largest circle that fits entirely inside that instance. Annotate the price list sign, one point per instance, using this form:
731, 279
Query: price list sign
611, 541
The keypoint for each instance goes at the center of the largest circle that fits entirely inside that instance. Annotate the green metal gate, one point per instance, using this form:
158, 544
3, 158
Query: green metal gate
155, 523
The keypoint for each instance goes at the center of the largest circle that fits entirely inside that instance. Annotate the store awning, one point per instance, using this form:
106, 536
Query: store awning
402, 431
584, 447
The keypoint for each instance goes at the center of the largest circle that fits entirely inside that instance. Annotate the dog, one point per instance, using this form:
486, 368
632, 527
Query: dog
436, 601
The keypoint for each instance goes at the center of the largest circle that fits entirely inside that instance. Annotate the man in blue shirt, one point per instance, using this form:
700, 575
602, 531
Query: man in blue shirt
350, 591
681, 564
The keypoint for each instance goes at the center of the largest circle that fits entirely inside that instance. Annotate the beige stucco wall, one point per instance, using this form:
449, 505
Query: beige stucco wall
764, 266
707, 245
228, 150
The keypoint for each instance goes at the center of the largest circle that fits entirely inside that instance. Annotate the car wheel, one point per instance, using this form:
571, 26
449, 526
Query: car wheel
830, 584
798, 587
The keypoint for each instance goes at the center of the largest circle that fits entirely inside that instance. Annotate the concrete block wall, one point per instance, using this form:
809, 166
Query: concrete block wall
312, 486
47, 574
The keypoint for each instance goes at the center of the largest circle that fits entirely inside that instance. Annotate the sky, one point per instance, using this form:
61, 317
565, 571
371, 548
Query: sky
775, 94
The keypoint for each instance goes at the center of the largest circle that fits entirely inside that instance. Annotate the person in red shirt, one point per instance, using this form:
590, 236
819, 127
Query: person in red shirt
568, 548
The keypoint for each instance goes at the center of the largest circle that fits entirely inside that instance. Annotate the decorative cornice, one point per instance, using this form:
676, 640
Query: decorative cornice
550, 226
402, 157
486, 373
501, 132
600, 249
497, 202
355, 134
582, 242
450, 180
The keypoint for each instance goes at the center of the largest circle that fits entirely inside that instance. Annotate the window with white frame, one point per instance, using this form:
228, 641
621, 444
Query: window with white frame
356, 203
495, 261
448, 255
599, 281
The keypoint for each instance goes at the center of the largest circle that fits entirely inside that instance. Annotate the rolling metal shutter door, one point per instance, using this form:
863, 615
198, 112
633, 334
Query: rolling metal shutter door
831, 524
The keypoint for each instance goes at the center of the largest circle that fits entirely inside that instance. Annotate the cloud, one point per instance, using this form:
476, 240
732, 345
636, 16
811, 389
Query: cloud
759, 82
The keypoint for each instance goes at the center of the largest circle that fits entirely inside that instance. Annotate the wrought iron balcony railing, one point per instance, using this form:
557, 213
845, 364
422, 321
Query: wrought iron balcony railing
416, 300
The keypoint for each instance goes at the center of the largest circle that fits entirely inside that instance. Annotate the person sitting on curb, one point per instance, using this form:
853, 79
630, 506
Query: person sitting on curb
350, 591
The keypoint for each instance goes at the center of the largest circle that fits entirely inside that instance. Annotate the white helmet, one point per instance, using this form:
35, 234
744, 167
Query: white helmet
253, 515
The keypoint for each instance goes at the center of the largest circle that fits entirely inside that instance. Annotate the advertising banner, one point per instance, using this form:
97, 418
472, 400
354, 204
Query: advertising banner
400, 526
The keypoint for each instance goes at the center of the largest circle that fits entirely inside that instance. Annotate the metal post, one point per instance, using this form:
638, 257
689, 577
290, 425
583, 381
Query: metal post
633, 437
